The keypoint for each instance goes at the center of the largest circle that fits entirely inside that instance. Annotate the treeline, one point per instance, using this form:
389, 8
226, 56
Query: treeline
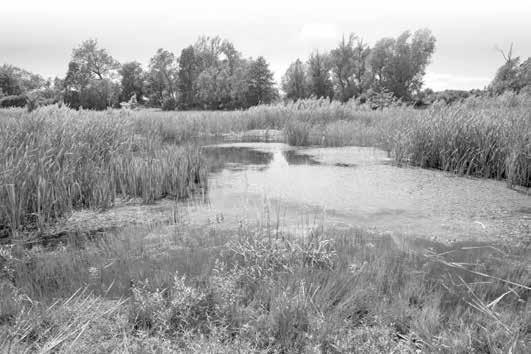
392, 69
212, 74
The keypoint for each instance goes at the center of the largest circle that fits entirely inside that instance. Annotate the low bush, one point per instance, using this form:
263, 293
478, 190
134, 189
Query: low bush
169, 104
13, 101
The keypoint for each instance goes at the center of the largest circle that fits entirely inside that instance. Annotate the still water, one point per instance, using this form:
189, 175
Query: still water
359, 187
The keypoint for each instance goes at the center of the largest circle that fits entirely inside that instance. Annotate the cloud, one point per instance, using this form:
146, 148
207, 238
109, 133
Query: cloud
442, 81
318, 31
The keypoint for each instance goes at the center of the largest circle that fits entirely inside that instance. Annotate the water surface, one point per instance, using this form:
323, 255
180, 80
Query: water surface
359, 187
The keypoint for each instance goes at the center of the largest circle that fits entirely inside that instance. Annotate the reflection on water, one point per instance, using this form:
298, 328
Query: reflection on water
356, 186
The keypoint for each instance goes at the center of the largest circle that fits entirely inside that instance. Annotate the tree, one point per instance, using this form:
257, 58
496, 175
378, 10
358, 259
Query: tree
319, 83
9, 82
75, 81
215, 62
189, 70
90, 81
349, 69
132, 81
294, 81
17, 81
511, 76
260, 84
99, 94
95, 62
213, 87
398, 65
162, 76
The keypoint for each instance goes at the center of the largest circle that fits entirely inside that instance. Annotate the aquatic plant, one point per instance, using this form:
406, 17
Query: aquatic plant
54, 160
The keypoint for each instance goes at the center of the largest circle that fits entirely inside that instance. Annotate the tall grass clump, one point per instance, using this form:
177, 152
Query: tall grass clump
484, 137
54, 160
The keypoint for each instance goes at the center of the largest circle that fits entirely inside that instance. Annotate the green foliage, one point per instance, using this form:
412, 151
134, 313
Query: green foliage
15, 81
169, 104
162, 77
398, 65
319, 83
93, 61
13, 101
260, 84
512, 76
189, 70
348, 63
132, 83
294, 81
99, 94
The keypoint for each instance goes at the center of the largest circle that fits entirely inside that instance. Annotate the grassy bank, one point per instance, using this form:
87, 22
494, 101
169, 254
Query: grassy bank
205, 290
55, 160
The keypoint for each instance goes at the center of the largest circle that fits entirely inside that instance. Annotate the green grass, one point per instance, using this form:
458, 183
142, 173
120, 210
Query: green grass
203, 289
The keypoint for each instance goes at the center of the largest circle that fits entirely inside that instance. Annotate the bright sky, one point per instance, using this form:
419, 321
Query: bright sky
39, 35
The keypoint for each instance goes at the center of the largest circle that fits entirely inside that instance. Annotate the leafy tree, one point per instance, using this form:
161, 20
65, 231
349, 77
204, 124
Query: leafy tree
216, 61
99, 94
349, 69
214, 87
524, 75
260, 84
294, 81
17, 81
9, 82
132, 81
75, 81
189, 70
162, 77
511, 76
89, 79
319, 83
93, 61
398, 65
239, 84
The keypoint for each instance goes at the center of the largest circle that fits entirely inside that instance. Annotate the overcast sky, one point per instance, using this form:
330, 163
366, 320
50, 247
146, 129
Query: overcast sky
39, 35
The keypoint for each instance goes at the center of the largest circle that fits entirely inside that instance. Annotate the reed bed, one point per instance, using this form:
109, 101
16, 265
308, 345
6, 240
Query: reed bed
483, 137
55, 160
197, 290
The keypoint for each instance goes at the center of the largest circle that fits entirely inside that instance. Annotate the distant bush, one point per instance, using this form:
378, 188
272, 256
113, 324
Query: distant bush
169, 104
13, 101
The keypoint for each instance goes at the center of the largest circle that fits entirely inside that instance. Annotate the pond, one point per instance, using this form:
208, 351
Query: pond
359, 187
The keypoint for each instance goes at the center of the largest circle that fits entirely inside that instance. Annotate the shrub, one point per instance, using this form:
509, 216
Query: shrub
13, 101
169, 104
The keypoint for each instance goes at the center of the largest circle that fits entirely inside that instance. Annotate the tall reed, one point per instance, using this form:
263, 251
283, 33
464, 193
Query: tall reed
54, 160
